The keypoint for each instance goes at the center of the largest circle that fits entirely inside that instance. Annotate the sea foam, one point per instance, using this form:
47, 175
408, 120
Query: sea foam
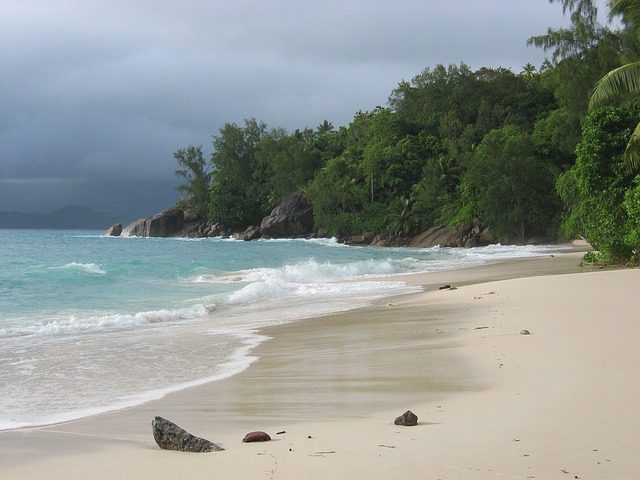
74, 323
91, 268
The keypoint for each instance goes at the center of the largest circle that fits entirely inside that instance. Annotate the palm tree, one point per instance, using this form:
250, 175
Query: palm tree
528, 71
622, 80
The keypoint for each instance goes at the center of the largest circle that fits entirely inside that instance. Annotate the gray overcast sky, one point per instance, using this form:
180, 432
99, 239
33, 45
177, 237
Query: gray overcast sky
96, 95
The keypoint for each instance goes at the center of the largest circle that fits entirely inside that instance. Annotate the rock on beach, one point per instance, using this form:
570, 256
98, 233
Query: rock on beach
408, 419
256, 437
170, 436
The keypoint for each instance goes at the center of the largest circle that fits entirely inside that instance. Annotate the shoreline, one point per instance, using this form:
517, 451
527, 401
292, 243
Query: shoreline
468, 275
490, 270
270, 394
241, 358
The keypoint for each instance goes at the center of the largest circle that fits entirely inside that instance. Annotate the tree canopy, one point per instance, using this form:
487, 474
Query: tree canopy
452, 145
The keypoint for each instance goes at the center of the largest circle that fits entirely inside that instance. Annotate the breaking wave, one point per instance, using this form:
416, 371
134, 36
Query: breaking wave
91, 268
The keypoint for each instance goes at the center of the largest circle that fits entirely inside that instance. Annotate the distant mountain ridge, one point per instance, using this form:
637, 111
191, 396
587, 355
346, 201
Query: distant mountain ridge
66, 218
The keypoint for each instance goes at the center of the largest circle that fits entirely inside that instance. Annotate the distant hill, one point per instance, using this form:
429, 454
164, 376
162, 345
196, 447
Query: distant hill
65, 218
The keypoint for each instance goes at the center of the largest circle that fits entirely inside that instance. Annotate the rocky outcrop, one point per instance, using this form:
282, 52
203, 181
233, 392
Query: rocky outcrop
389, 241
408, 419
250, 233
462, 235
486, 237
365, 238
135, 229
216, 230
164, 224
292, 218
170, 436
256, 437
113, 231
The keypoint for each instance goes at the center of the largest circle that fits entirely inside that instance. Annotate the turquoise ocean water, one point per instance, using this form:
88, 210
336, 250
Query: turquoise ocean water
90, 324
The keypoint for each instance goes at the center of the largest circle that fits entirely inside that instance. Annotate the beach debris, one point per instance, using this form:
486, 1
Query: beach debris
256, 437
170, 436
490, 293
481, 328
445, 287
387, 446
477, 297
525, 332
408, 419
281, 432
308, 436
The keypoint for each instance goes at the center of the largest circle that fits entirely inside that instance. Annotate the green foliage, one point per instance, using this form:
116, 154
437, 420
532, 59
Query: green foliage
512, 190
195, 170
237, 197
555, 137
618, 83
337, 196
596, 187
592, 257
583, 34
567, 188
631, 206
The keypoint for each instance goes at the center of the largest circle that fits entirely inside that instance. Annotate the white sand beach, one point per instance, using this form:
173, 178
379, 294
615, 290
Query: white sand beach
492, 403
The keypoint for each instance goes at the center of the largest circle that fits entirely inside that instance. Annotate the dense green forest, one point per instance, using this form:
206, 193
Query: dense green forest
524, 151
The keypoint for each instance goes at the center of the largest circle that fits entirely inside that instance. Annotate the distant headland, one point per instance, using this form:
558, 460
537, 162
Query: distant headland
66, 218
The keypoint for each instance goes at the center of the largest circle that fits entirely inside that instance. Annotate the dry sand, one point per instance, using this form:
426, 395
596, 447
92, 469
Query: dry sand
559, 403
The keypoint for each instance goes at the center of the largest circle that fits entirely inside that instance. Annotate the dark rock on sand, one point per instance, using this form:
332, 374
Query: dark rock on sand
256, 437
408, 419
113, 231
170, 436
525, 332
445, 287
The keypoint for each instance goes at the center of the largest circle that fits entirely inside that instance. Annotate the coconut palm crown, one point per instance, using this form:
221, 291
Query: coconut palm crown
624, 80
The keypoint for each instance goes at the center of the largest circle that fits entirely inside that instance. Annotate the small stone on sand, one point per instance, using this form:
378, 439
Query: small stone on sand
256, 437
408, 419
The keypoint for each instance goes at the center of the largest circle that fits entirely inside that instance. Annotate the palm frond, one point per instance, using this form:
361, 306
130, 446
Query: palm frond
629, 10
632, 152
624, 79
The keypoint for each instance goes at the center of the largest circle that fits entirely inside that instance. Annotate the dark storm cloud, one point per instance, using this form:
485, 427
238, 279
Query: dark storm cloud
107, 90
